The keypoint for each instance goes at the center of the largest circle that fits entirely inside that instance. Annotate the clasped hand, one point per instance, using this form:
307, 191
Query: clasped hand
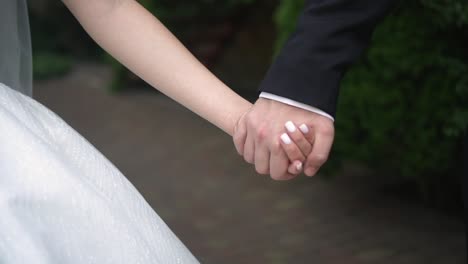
283, 140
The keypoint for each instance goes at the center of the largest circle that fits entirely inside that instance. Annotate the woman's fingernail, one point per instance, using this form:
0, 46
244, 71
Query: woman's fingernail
299, 166
290, 127
286, 139
304, 128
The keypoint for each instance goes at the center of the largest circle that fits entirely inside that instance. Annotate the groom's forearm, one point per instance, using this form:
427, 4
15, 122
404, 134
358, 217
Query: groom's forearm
331, 34
139, 41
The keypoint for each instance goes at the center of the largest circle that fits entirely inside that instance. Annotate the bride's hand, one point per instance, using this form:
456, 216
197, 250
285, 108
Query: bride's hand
297, 143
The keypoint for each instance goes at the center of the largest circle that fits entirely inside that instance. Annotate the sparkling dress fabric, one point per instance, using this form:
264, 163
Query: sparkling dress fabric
61, 201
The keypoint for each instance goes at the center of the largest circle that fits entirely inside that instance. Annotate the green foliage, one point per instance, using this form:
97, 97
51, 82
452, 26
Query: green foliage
171, 10
179, 16
403, 108
286, 17
448, 13
47, 65
54, 33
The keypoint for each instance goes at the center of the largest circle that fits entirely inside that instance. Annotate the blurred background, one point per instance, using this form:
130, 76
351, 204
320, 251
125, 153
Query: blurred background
391, 191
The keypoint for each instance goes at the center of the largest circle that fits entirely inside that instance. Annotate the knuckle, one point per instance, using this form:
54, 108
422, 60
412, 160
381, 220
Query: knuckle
320, 159
251, 120
298, 139
240, 133
276, 147
307, 149
304, 145
327, 130
296, 155
261, 133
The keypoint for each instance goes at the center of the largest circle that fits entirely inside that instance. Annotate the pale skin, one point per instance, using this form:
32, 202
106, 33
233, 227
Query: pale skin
256, 139
143, 44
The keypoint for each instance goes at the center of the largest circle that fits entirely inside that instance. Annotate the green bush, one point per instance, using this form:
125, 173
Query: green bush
403, 108
47, 65
183, 18
56, 38
285, 18
172, 10
56, 32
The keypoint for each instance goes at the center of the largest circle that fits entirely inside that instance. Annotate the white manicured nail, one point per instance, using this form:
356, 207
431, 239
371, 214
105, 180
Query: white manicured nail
304, 128
286, 139
290, 127
299, 166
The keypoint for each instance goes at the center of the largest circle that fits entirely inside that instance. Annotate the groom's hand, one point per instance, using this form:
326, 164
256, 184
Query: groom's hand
257, 138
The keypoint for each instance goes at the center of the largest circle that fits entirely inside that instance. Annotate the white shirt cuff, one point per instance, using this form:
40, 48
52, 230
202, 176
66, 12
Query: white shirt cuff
295, 103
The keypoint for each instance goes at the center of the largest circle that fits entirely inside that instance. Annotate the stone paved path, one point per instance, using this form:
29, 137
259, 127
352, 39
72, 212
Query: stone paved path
189, 172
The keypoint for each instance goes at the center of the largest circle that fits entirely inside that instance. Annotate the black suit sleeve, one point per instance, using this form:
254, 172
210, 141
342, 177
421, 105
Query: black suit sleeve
331, 34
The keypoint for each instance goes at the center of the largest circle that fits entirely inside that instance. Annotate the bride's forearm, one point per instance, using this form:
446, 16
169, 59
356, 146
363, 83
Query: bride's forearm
138, 40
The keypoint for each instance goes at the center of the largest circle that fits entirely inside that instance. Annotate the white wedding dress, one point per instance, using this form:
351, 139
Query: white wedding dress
61, 201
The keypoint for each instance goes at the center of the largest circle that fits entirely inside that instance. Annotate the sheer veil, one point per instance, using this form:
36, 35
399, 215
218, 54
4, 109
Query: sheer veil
15, 46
